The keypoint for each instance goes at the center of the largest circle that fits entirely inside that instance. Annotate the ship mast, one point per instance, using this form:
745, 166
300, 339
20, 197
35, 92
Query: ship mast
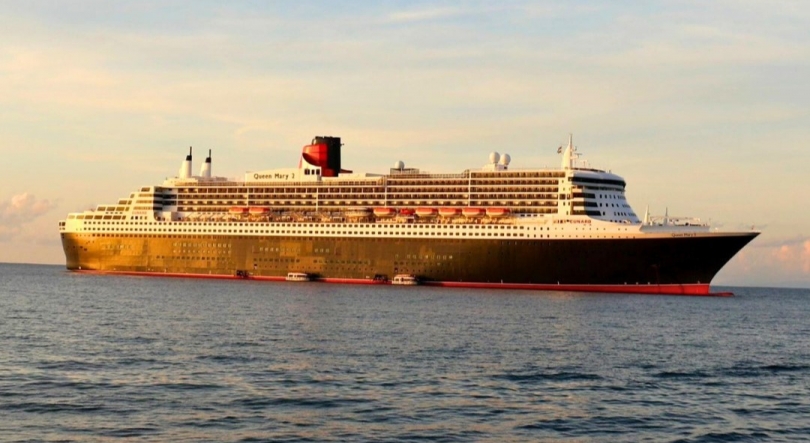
568, 155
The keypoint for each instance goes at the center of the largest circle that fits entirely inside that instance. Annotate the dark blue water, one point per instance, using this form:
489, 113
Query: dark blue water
102, 358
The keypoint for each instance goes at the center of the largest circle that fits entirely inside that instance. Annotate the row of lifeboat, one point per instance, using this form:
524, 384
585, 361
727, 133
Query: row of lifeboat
443, 212
383, 212
252, 210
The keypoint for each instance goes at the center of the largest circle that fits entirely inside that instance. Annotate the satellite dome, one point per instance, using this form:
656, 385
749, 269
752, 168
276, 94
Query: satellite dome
505, 159
494, 157
399, 165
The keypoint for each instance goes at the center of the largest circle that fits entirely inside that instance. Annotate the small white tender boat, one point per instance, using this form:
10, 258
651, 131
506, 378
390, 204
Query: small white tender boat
297, 276
405, 280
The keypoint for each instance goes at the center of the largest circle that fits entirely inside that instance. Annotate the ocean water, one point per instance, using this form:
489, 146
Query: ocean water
108, 358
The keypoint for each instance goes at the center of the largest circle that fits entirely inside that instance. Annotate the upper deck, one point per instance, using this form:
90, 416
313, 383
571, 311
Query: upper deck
320, 190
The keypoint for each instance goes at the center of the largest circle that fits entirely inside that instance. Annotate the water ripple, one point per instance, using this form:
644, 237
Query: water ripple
93, 358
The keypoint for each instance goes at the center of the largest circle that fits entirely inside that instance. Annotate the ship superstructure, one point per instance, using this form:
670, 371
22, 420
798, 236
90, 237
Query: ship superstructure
570, 228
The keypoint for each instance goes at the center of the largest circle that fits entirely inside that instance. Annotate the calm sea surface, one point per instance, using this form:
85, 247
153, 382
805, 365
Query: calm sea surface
104, 358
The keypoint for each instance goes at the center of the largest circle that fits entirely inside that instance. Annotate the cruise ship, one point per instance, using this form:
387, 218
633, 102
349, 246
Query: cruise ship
566, 229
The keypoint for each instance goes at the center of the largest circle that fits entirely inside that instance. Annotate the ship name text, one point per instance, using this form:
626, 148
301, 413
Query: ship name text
275, 176
573, 221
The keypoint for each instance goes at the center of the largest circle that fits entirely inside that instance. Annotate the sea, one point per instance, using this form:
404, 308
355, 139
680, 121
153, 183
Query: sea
100, 358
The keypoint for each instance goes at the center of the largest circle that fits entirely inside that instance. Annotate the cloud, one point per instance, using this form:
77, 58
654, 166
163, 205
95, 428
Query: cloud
420, 15
695, 89
23, 206
793, 257
778, 262
19, 211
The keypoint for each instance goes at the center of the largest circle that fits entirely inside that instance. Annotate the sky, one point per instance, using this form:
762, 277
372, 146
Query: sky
701, 106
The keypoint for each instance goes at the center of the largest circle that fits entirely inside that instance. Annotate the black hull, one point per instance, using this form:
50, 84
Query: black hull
578, 264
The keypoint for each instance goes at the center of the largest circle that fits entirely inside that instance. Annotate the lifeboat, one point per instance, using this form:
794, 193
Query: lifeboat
238, 210
473, 212
426, 212
497, 212
385, 212
406, 211
449, 212
258, 210
358, 212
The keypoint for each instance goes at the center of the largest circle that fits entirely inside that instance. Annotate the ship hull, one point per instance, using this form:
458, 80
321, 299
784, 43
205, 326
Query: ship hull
655, 264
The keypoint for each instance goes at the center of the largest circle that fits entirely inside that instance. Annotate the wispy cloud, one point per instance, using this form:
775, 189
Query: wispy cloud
794, 256
22, 207
713, 92
421, 15
780, 262
791, 256
19, 211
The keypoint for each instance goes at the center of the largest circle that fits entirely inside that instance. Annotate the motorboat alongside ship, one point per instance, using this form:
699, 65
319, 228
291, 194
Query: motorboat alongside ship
405, 280
297, 276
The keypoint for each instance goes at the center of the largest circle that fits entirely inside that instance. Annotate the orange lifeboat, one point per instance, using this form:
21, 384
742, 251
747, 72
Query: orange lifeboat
473, 212
426, 212
497, 212
384, 212
358, 212
449, 212
406, 211
258, 210
238, 210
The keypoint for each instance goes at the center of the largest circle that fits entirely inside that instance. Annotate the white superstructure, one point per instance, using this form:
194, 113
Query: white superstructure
496, 201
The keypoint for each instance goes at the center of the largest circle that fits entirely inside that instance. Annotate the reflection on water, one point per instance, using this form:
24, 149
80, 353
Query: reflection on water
100, 358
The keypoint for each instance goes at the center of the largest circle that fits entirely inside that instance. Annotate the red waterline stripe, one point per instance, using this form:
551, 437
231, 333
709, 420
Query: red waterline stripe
182, 275
669, 289
353, 281
673, 289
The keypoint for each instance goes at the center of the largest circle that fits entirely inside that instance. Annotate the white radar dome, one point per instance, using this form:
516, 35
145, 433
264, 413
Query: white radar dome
399, 165
505, 159
494, 157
